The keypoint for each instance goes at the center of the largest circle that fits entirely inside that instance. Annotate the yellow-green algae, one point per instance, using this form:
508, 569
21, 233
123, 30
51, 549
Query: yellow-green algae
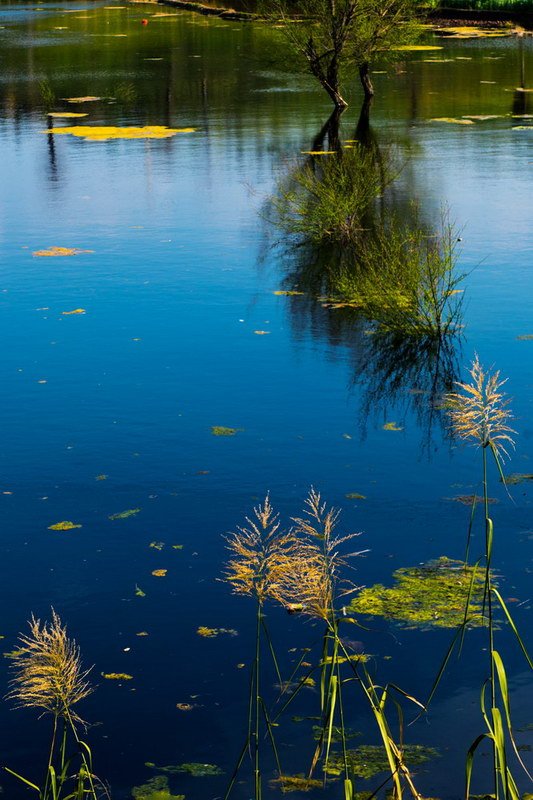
295, 783
369, 760
102, 133
155, 789
431, 596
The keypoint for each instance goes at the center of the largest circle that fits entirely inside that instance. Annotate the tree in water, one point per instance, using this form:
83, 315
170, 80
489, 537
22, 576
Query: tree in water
332, 35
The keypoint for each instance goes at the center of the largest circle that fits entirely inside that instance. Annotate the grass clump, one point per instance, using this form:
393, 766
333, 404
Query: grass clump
431, 596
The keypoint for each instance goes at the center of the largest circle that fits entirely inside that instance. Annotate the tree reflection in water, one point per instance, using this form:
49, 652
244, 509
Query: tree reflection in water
374, 277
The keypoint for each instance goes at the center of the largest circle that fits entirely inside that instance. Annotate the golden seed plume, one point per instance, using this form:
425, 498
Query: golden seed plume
480, 411
47, 670
259, 552
311, 573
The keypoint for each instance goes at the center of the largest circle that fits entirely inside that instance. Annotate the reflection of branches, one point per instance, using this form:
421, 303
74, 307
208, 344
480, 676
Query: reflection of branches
409, 374
375, 278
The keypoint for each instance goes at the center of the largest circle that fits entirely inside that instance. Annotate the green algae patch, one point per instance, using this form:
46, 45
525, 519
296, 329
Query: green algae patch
295, 783
336, 733
221, 430
431, 596
125, 514
66, 525
195, 769
94, 133
367, 761
518, 477
155, 789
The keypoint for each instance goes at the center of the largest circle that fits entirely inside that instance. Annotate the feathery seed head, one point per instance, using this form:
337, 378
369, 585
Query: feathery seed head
311, 575
47, 670
259, 551
480, 412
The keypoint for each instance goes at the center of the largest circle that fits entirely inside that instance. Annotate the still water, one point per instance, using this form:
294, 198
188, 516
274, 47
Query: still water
112, 409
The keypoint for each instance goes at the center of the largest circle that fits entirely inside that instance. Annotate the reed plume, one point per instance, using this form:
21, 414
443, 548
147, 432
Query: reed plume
48, 673
310, 573
259, 553
480, 412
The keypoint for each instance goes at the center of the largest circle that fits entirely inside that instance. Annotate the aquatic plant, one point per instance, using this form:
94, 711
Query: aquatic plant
313, 582
259, 552
366, 761
48, 675
479, 413
155, 789
431, 596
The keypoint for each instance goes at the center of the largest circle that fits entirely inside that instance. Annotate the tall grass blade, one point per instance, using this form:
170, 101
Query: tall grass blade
510, 620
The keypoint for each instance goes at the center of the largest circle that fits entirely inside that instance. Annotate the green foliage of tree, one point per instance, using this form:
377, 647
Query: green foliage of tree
330, 35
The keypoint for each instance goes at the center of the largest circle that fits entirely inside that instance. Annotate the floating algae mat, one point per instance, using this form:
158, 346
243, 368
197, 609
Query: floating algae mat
369, 760
431, 596
155, 789
97, 133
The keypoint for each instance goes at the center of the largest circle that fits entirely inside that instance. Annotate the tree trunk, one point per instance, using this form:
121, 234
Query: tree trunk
365, 80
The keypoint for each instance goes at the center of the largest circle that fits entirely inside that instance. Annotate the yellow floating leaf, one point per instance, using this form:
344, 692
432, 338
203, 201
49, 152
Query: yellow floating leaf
261, 333
117, 676
157, 545
66, 114
159, 573
74, 311
482, 117
452, 120
288, 294
142, 633
392, 426
63, 526
318, 152
185, 706
88, 99
210, 633
96, 133
101, 478
59, 251
414, 47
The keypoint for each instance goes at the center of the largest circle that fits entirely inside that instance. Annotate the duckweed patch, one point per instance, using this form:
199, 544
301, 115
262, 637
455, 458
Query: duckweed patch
97, 133
295, 783
125, 514
155, 789
518, 477
431, 596
367, 761
66, 525
211, 633
196, 769
222, 430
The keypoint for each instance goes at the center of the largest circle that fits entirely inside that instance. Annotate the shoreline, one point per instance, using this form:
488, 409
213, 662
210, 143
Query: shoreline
444, 16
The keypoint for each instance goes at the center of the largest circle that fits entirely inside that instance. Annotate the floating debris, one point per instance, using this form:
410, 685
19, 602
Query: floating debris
139, 593
74, 311
282, 293
355, 496
159, 573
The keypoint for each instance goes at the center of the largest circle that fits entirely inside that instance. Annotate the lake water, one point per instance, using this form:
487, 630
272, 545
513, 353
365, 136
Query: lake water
181, 274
